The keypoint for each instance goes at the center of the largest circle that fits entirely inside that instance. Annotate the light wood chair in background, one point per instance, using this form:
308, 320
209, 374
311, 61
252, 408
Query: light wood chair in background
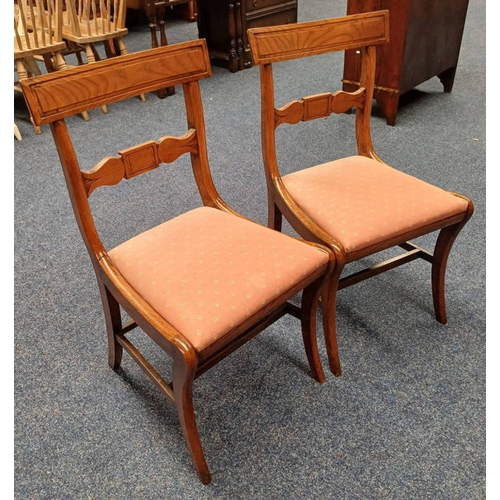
200, 284
357, 205
17, 133
37, 33
89, 22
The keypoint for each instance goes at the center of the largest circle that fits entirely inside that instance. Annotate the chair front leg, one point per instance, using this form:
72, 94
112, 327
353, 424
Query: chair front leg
182, 380
310, 300
444, 242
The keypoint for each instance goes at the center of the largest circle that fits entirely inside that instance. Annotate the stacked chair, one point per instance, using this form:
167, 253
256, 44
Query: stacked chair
37, 35
87, 23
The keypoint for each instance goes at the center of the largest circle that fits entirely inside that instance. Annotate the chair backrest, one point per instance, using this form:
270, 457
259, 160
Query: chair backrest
95, 17
51, 100
360, 33
37, 25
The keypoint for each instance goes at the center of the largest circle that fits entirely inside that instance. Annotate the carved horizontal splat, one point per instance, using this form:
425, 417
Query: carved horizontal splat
108, 172
138, 160
318, 106
170, 148
344, 101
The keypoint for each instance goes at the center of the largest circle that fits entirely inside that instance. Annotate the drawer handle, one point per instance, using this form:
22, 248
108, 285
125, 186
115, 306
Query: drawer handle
254, 3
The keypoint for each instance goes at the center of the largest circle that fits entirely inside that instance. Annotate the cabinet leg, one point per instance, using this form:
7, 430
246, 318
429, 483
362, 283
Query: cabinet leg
447, 78
233, 57
388, 102
239, 37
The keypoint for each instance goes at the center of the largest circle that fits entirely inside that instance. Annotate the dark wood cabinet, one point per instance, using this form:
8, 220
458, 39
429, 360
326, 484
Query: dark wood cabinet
425, 39
224, 24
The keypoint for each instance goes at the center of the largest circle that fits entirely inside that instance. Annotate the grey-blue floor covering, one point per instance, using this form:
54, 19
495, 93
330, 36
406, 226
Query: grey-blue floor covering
407, 418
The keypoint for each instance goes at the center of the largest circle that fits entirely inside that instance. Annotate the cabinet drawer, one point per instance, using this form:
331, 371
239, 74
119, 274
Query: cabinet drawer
252, 5
283, 17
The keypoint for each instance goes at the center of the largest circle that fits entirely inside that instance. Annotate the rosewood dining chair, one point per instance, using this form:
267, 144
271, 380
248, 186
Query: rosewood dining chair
357, 205
202, 283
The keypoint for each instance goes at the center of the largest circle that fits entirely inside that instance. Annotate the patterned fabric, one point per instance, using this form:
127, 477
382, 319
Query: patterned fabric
361, 202
207, 271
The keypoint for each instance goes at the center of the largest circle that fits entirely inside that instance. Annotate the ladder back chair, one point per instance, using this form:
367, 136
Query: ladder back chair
357, 205
202, 283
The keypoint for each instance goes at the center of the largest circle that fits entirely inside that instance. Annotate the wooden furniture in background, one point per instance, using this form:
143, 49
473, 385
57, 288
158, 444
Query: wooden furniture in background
87, 22
148, 6
203, 283
37, 33
17, 133
157, 13
224, 24
357, 205
424, 41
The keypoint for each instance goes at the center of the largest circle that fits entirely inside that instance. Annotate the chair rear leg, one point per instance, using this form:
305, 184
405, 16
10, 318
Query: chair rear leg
112, 315
274, 216
24, 68
442, 250
92, 57
182, 380
310, 300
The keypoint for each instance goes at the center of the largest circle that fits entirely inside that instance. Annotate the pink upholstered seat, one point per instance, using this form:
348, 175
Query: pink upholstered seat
207, 271
362, 202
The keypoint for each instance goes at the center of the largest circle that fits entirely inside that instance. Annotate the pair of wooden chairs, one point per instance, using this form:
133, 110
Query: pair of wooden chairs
49, 30
203, 283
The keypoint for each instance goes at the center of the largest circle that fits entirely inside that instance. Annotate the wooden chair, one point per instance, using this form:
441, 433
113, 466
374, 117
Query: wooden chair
88, 22
203, 283
357, 205
37, 33
17, 133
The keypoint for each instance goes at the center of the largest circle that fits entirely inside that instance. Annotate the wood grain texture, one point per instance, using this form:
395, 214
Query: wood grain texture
91, 86
318, 106
225, 25
425, 42
286, 42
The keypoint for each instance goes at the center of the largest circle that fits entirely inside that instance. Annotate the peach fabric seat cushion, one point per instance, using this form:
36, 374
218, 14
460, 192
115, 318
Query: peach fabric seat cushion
207, 271
362, 202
